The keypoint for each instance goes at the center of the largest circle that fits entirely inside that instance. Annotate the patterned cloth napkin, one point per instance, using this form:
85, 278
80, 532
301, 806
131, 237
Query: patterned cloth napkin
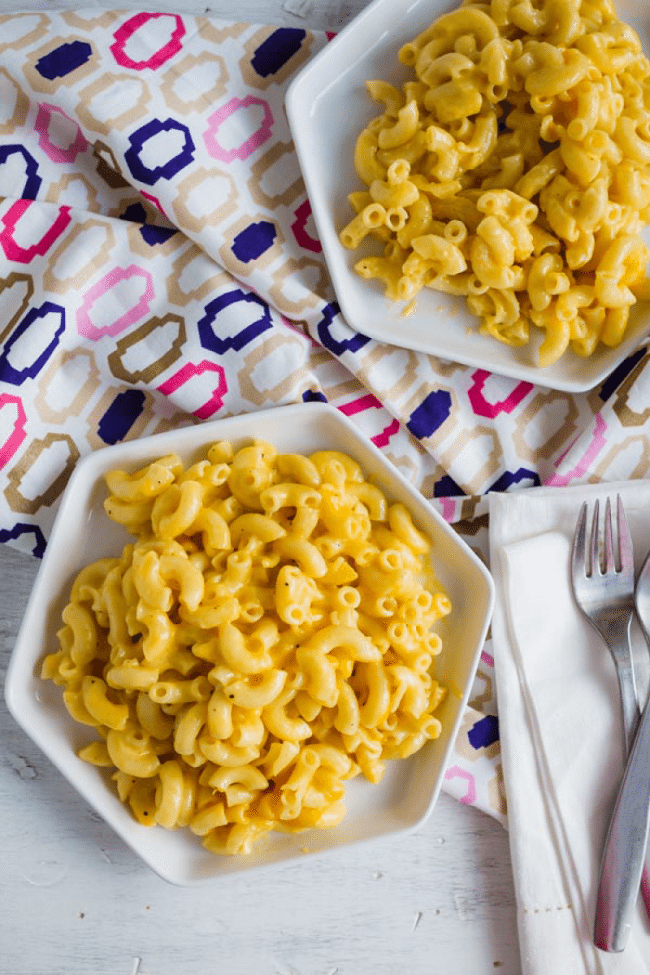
159, 267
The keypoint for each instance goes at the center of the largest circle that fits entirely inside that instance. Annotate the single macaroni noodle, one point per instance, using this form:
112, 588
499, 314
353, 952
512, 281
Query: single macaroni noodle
513, 168
267, 635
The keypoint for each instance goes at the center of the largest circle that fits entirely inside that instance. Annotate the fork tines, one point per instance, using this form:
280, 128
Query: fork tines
592, 554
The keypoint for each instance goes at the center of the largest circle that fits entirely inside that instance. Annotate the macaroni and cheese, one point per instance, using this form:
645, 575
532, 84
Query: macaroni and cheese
268, 634
513, 168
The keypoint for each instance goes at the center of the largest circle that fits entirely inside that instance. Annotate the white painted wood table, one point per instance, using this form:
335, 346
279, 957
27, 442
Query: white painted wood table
75, 901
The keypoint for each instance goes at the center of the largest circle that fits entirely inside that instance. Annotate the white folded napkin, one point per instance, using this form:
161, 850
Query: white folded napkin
560, 727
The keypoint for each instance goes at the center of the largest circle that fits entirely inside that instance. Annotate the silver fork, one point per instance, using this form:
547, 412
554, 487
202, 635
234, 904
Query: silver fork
605, 595
603, 587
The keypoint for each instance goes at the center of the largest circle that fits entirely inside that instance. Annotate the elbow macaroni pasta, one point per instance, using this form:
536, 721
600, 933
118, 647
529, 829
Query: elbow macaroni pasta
514, 169
241, 661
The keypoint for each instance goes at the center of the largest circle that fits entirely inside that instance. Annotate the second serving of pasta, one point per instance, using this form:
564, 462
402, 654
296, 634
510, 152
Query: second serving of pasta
268, 634
513, 168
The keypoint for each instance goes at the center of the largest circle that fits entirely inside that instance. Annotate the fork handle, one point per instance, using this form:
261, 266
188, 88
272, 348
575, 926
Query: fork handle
623, 860
631, 722
629, 703
619, 635
616, 631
